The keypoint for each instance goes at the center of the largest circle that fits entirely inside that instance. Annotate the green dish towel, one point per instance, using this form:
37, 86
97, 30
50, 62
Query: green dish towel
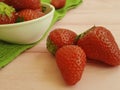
9, 52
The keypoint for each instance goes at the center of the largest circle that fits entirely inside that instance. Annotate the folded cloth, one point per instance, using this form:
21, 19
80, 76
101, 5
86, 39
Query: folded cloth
9, 51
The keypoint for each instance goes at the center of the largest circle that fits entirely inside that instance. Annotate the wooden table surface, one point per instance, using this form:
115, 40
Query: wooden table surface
36, 69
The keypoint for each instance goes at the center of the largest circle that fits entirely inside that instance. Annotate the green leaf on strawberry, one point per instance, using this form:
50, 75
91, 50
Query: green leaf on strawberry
7, 14
84, 33
60, 37
51, 46
43, 9
19, 19
99, 44
6, 10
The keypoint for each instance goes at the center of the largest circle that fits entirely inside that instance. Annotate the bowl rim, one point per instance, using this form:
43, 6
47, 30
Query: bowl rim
34, 20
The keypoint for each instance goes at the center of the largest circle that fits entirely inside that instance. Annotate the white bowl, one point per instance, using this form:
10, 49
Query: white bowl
29, 31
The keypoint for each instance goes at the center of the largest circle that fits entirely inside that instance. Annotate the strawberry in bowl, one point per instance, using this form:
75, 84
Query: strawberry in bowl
24, 4
7, 14
29, 25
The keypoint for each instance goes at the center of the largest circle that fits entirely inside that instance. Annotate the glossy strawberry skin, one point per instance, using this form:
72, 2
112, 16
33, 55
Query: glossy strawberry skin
60, 37
4, 19
24, 4
58, 3
1, 0
71, 61
7, 14
29, 14
99, 44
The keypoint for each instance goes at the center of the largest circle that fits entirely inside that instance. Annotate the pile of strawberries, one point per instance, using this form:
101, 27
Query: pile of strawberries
72, 50
12, 11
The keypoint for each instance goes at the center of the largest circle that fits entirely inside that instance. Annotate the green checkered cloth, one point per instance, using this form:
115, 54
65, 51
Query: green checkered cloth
8, 51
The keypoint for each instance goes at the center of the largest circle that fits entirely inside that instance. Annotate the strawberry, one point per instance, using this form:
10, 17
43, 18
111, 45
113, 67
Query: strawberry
1, 0
99, 44
24, 4
58, 38
71, 61
29, 14
7, 14
58, 3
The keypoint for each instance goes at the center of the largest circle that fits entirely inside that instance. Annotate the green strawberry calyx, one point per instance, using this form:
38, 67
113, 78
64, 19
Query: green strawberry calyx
52, 48
84, 33
19, 19
6, 10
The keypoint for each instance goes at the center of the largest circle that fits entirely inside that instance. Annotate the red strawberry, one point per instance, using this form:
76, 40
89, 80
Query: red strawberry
1, 0
71, 61
58, 3
99, 44
29, 14
60, 37
24, 4
7, 14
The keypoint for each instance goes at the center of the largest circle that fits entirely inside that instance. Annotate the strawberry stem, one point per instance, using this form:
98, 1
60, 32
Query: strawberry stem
6, 10
20, 19
52, 48
43, 9
84, 33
